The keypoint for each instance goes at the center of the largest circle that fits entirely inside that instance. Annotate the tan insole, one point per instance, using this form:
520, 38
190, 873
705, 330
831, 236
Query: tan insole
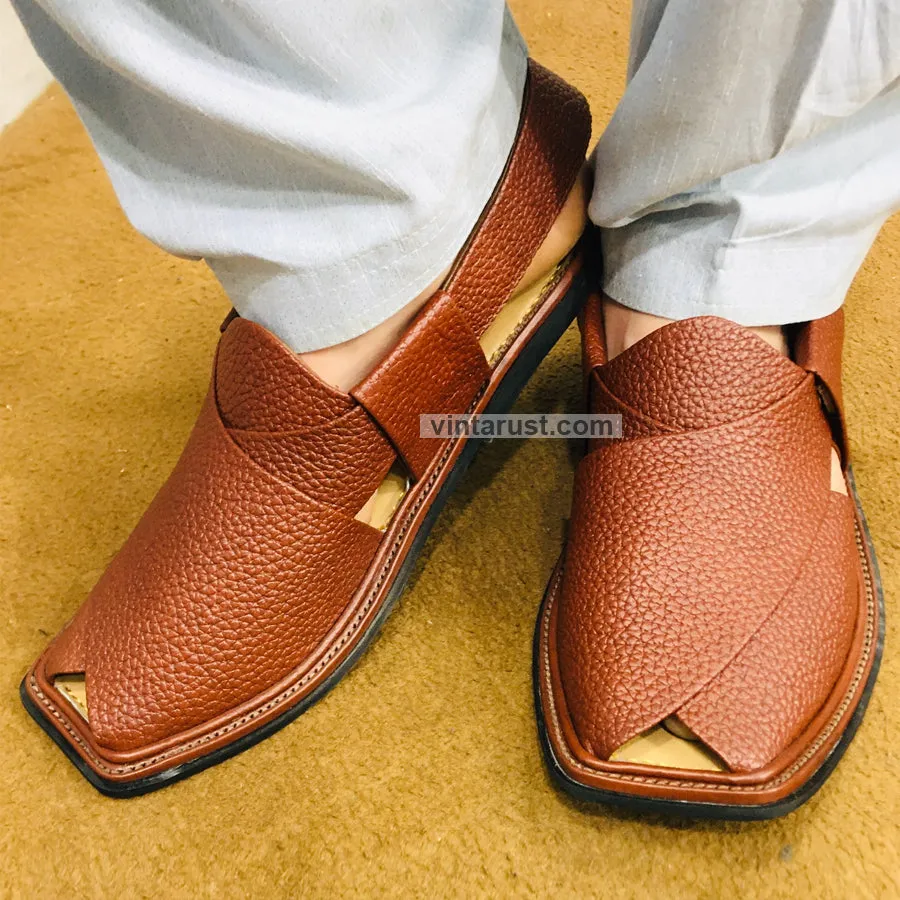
669, 746
379, 509
513, 316
381, 506
73, 689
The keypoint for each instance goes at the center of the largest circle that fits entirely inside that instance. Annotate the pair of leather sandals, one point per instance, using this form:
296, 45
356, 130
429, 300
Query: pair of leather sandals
710, 635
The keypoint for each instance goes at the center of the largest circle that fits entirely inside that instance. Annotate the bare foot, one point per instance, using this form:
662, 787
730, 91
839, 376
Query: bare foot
625, 327
345, 365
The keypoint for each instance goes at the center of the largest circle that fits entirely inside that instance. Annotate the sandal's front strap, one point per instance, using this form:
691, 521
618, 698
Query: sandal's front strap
709, 533
229, 581
764, 698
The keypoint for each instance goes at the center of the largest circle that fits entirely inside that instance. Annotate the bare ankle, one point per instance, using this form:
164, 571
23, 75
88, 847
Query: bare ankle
625, 327
345, 365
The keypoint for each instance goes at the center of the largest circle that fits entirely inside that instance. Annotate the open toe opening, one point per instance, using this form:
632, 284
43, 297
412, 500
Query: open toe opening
669, 745
72, 687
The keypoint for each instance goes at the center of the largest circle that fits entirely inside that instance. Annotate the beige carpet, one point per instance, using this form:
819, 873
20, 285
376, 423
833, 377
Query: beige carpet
420, 775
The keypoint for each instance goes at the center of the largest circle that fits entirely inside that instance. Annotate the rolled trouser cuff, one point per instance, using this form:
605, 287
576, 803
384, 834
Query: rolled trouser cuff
320, 305
680, 267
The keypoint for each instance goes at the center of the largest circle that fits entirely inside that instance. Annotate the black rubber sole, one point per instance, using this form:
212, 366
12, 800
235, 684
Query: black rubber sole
505, 395
721, 811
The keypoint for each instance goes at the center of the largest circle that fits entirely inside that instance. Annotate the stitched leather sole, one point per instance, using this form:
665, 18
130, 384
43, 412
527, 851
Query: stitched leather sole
536, 338
634, 791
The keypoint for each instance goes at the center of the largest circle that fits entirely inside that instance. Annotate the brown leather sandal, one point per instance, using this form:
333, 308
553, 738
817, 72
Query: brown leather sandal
289, 527
710, 637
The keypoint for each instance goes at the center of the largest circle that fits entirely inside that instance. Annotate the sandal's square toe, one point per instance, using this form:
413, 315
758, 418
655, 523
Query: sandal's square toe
242, 563
710, 629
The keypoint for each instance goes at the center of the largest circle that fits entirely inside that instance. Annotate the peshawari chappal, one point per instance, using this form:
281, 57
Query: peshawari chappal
710, 637
289, 526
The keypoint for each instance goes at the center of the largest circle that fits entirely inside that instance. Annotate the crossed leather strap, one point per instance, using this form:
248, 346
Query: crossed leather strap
706, 569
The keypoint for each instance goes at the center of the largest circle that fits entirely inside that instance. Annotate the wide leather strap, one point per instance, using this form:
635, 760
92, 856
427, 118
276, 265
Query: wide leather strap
773, 687
339, 463
437, 368
816, 347
677, 561
237, 570
542, 169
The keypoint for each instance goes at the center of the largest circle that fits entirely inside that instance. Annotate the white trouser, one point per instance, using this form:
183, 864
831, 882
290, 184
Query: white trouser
328, 158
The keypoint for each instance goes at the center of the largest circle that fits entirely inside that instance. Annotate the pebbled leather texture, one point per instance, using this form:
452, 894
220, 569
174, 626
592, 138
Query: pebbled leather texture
709, 573
230, 578
246, 561
438, 366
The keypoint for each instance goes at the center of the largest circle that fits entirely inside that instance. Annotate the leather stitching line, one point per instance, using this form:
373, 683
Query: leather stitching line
289, 692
